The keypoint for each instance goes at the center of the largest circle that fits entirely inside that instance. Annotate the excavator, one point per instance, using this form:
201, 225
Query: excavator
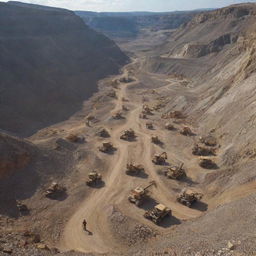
139, 195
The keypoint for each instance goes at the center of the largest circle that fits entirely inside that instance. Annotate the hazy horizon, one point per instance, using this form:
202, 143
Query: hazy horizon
134, 5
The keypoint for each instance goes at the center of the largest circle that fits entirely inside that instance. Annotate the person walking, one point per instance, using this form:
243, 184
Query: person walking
84, 225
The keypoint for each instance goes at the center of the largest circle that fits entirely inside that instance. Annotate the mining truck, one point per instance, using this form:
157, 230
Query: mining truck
107, 147
134, 169
160, 159
155, 140
158, 213
128, 135
189, 197
147, 110
169, 126
175, 172
23, 209
149, 126
103, 133
209, 140
54, 190
117, 116
94, 178
139, 195
186, 131
202, 151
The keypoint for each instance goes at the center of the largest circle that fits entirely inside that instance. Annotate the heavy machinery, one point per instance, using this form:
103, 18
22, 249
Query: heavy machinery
169, 126
186, 131
94, 178
158, 213
149, 126
134, 169
54, 190
202, 151
107, 147
207, 163
126, 79
89, 119
103, 133
23, 209
189, 197
160, 159
175, 172
75, 138
112, 94
155, 140
125, 108
147, 110
173, 114
209, 140
143, 116
128, 135
139, 195
117, 116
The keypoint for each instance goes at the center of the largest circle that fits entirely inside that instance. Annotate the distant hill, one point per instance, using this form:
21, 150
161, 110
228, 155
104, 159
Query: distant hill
50, 62
129, 24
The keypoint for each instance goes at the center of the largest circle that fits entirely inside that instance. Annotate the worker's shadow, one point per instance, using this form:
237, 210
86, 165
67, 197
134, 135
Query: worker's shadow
89, 233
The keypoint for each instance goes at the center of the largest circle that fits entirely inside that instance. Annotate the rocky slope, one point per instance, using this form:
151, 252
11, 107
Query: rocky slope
50, 63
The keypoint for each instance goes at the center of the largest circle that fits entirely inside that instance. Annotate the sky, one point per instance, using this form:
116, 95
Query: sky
134, 5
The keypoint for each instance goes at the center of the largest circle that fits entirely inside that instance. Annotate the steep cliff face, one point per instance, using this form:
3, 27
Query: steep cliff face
50, 62
210, 32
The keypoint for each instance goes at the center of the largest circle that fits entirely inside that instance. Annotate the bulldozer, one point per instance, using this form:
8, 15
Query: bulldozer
189, 197
207, 163
186, 131
143, 116
23, 209
89, 119
125, 108
128, 135
158, 213
149, 126
175, 172
173, 114
155, 140
93, 178
74, 138
104, 133
139, 195
209, 140
107, 147
169, 126
160, 159
54, 190
118, 116
134, 169
202, 151
147, 110
126, 79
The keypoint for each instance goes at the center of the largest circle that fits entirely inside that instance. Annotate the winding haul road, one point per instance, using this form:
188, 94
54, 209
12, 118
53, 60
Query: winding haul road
96, 206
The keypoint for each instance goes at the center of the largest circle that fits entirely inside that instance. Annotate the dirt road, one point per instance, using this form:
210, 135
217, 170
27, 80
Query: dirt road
97, 207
